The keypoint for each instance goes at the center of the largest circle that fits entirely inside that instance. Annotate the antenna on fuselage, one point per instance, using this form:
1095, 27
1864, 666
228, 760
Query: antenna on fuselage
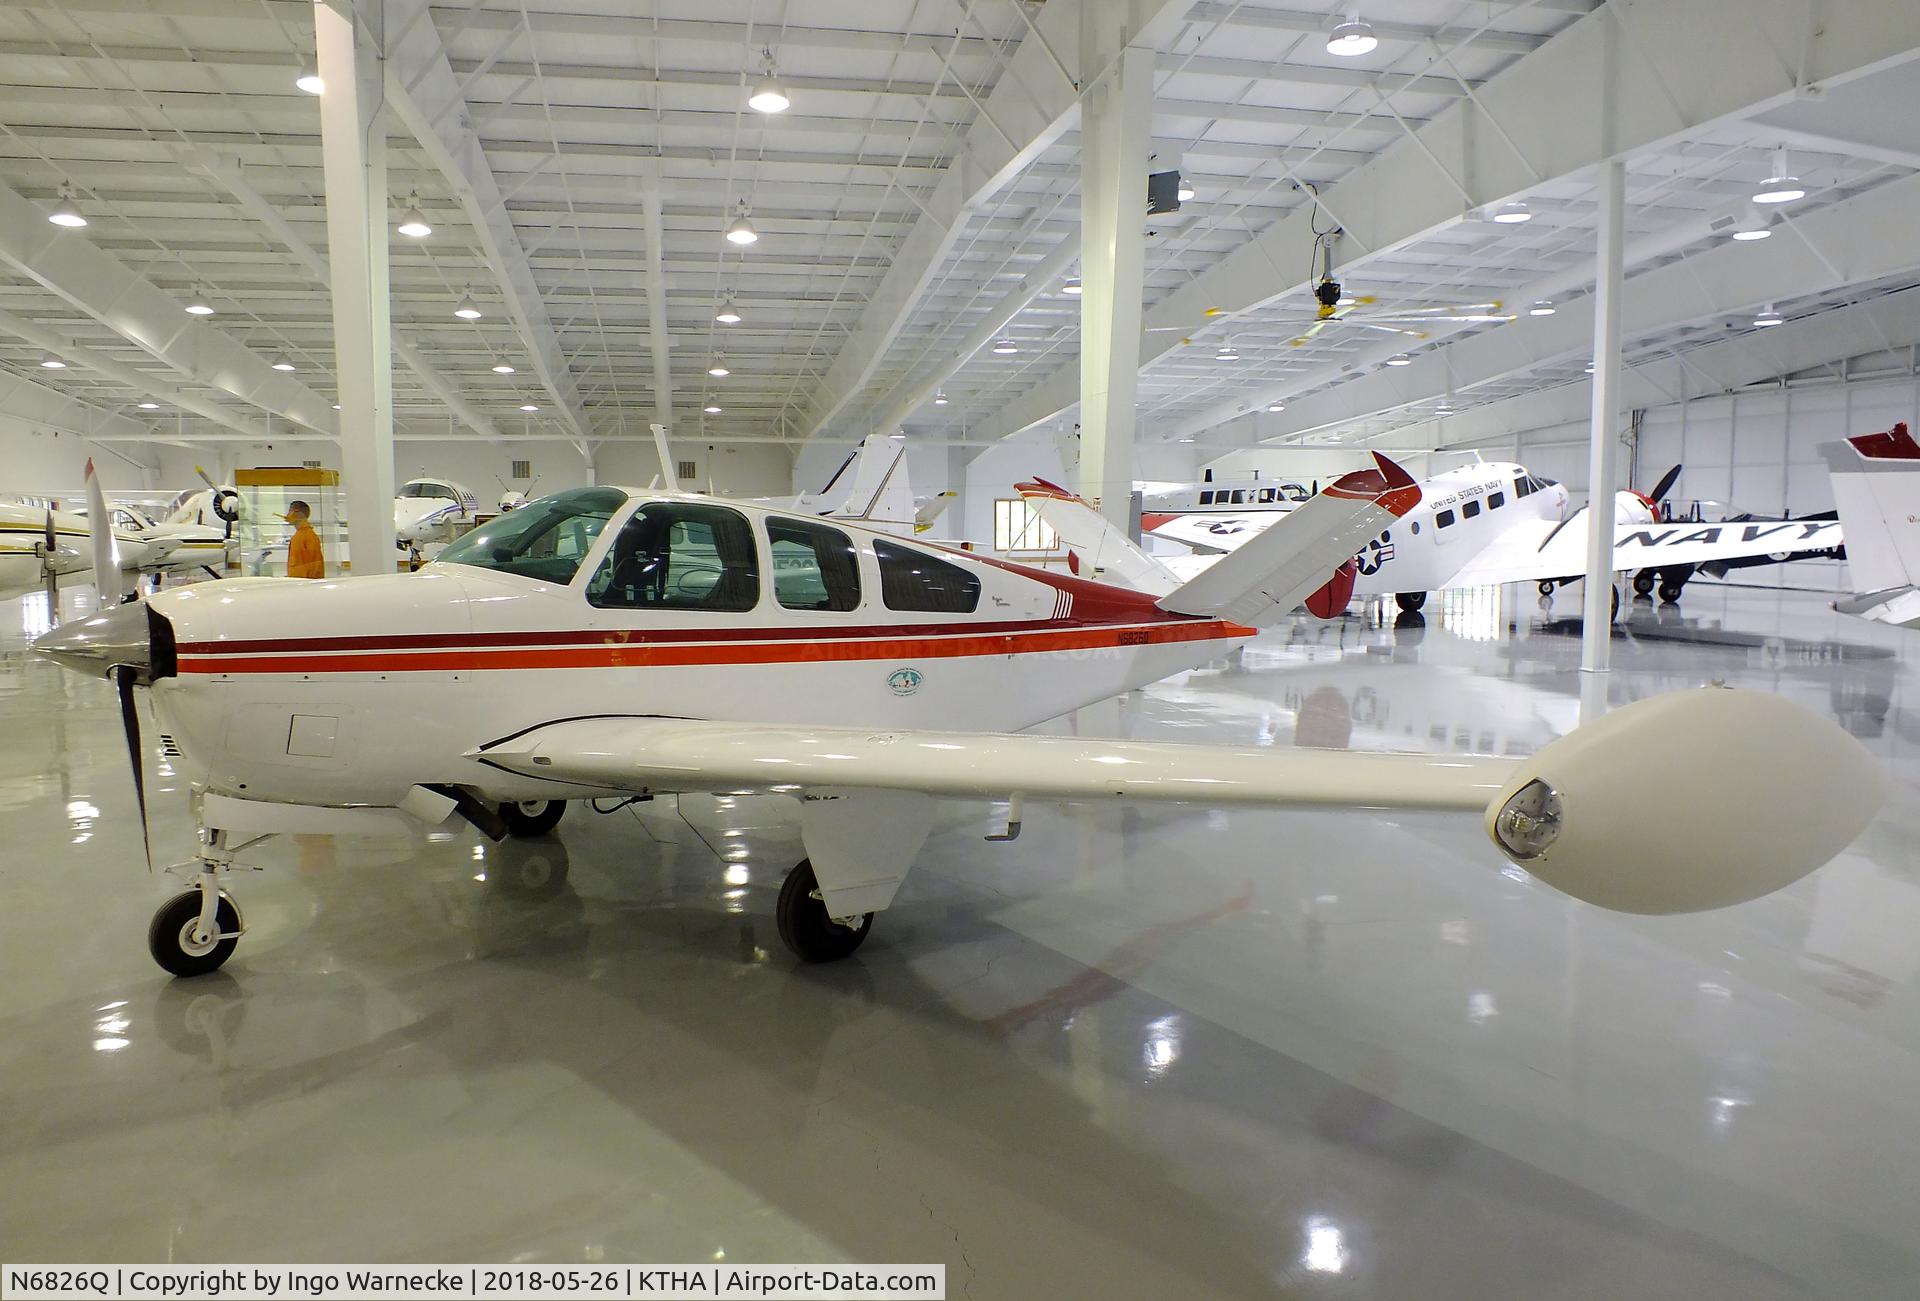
668, 471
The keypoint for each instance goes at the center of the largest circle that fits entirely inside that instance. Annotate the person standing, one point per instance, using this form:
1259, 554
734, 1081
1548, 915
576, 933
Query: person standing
304, 557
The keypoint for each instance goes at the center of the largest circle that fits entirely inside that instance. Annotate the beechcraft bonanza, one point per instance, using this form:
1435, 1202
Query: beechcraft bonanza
606, 642
1478, 525
40, 546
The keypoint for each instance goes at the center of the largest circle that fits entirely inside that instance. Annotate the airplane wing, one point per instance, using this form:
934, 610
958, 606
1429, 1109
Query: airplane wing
1216, 533
1567, 812
1538, 549
1876, 486
1308, 550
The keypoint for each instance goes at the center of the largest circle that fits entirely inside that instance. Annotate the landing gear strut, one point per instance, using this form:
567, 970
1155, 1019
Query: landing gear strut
805, 926
196, 931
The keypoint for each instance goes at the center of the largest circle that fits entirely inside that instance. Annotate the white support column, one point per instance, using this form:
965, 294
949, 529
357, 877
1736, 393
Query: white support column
657, 339
1596, 638
1115, 137
354, 151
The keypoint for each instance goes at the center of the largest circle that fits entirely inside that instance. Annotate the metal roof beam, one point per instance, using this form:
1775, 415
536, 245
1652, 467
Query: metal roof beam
29, 403
1629, 77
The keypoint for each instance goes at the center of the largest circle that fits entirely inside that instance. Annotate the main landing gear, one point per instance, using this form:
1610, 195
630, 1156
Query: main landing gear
1411, 602
531, 817
196, 931
805, 926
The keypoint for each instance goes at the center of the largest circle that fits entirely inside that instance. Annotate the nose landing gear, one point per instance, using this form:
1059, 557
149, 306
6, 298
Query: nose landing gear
196, 931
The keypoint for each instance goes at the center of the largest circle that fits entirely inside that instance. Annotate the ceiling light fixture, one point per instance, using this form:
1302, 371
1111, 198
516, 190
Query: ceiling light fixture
718, 367
1226, 353
149, 406
1783, 186
1512, 214
1753, 224
51, 362
768, 96
1399, 359
468, 310
502, 368
529, 406
1276, 406
741, 231
1352, 38
197, 304
1768, 317
413, 222
1072, 286
64, 213
309, 79
939, 397
712, 410
282, 362
1186, 190
1006, 347
728, 314
1541, 307
336, 406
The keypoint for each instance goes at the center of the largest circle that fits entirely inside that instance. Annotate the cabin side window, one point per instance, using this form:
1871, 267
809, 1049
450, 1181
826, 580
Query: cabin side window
1206, 496
676, 555
915, 580
1239, 496
814, 567
1495, 500
1442, 518
1522, 487
1266, 495
1469, 509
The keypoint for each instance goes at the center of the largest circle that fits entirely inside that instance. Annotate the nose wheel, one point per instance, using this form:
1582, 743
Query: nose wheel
186, 941
805, 927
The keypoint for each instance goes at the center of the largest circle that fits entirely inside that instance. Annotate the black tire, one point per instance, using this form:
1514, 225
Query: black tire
1670, 592
805, 927
1643, 584
169, 935
531, 817
1411, 602
1615, 612
1546, 587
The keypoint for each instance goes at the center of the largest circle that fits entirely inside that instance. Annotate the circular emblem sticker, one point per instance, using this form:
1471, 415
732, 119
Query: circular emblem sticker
904, 682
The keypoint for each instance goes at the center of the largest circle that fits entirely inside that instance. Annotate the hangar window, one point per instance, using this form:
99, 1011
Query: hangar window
1443, 519
546, 540
814, 567
1495, 500
1469, 509
1017, 527
679, 555
911, 579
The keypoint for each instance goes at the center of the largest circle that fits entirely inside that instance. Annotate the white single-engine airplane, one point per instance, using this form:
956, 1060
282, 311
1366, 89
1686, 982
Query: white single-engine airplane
1479, 525
39, 547
602, 642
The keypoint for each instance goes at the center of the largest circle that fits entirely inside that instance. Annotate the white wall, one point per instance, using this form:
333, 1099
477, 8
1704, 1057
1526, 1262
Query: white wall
38, 461
734, 469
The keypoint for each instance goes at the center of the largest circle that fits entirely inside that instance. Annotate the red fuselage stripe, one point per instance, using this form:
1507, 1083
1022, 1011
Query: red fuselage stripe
632, 655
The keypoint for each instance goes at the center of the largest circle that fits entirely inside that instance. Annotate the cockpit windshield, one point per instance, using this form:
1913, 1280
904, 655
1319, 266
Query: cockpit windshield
427, 488
544, 539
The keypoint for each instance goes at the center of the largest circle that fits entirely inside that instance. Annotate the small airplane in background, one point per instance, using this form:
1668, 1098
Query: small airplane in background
40, 546
1479, 525
1163, 505
605, 642
428, 512
1876, 488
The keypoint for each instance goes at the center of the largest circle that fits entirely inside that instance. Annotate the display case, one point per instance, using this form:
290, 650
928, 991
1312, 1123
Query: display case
263, 532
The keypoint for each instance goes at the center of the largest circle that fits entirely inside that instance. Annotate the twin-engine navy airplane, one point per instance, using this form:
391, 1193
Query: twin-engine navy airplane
603, 642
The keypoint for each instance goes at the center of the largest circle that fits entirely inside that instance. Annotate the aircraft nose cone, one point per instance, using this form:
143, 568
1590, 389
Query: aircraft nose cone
122, 635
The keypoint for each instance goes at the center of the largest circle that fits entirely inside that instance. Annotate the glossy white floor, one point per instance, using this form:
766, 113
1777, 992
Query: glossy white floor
1139, 1052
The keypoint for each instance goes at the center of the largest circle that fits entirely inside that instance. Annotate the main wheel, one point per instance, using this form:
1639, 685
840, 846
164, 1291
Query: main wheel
1546, 587
1411, 602
1643, 584
170, 935
531, 817
1670, 592
805, 927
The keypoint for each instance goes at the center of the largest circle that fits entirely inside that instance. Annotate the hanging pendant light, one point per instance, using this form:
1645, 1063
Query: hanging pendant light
1541, 307
309, 79
51, 362
768, 95
1352, 38
65, 213
718, 367
282, 362
1072, 286
1513, 214
502, 368
1783, 186
1006, 347
939, 397
529, 406
1768, 317
468, 310
728, 313
741, 231
197, 304
712, 409
413, 222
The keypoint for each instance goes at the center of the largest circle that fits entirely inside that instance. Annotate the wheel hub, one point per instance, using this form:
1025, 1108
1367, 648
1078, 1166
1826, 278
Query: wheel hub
193, 947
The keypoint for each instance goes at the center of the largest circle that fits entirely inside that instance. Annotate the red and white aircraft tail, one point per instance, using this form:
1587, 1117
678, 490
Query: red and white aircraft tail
1095, 546
1876, 487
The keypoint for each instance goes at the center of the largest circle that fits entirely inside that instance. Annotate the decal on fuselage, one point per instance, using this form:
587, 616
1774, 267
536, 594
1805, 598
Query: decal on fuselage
904, 681
1739, 532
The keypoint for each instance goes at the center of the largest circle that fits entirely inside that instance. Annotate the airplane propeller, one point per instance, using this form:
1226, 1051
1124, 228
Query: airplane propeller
225, 500
106, 559
124, 676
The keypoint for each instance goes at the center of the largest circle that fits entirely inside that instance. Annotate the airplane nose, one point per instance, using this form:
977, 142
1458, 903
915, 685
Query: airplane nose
134, 635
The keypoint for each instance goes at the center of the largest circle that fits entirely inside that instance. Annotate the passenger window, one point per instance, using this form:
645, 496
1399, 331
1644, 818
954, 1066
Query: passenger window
1495, 500
1206, 498
1239, 496
680, 556
1443, 519
1266, 495
1416, 527
1469, 509
911, 579
814, 567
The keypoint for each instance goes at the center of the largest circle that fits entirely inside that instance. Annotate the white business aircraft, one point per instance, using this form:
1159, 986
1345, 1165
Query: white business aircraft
427, 512
1478, 525
605, 642
38, 547
1876, 487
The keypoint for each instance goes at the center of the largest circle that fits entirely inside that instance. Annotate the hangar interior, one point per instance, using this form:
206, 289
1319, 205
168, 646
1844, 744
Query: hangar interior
1142, 1050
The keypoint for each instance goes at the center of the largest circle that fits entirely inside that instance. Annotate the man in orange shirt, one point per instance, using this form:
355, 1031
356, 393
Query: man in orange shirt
304, 558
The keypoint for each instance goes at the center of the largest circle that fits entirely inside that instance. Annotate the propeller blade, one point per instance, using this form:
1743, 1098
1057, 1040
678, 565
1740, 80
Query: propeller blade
124, 676
205, 477
1667, 480
106, 556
